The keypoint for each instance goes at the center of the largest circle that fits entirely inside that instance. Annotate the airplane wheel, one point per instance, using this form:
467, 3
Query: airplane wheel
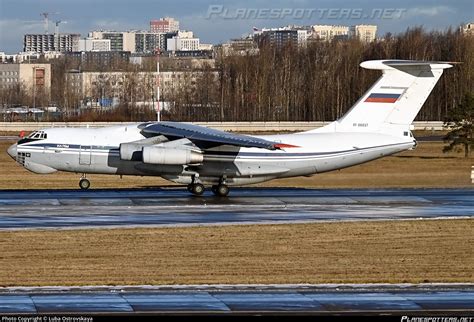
84, 184
197, 189
222, 190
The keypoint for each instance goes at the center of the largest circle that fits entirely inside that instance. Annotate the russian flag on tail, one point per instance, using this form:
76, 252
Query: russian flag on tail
382, 98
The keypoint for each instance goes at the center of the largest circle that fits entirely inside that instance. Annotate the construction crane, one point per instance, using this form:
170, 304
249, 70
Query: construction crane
56, 27
45, 15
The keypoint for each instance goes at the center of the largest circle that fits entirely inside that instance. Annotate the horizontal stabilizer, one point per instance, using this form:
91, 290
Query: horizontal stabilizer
388, 64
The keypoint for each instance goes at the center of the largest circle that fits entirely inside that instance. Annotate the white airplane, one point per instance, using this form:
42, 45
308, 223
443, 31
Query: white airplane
377, 125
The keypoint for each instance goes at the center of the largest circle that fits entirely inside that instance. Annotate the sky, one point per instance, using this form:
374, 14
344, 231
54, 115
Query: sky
218, 21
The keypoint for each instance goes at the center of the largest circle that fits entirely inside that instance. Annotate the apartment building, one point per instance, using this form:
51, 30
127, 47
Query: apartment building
164, 25
33, 77
41, 43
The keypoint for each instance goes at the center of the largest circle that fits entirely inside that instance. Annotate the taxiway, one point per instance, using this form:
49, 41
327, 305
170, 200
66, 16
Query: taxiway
242, 299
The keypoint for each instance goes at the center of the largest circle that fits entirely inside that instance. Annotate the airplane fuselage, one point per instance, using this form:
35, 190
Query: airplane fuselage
88, 150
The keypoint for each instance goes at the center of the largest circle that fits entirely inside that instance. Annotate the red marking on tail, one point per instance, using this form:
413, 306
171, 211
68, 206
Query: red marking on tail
380, 100
283, 146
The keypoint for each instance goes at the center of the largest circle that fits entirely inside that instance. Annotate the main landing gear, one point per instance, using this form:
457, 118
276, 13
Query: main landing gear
221, 190
197, 188
84, 183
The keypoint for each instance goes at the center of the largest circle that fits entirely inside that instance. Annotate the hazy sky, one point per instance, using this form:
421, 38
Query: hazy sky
217, 21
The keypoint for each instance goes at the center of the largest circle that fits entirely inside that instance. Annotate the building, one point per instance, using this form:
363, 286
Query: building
41, 43
6, 58
164, 25
19, 58
329, 32
29, 57
467, 29
365, 33
50, 55
149, 42
182, 44
238, 47
98, 89
101, 58
33, 77
206, 47
119, 40
199, 54
91, 44
184, 34
142, 42
302, 37
283, 37
145, 42
106, 89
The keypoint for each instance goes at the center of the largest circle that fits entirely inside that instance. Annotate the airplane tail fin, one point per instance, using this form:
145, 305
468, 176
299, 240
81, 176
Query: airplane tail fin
392, 103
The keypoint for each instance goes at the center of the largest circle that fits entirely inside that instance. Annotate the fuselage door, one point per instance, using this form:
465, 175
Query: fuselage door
85, 155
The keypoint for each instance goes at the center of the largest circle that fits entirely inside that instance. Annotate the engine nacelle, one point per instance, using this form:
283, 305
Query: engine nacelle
160, 155
131, 151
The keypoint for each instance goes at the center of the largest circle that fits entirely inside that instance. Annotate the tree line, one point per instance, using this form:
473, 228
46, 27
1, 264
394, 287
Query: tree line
323, 80
316, 82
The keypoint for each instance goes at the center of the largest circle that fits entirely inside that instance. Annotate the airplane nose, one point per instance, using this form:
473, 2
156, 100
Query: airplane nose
12, 151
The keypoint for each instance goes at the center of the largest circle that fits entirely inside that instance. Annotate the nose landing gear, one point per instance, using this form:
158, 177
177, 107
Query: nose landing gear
84, 183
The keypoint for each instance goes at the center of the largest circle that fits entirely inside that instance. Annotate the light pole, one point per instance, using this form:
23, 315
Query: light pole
34, 91
158, 111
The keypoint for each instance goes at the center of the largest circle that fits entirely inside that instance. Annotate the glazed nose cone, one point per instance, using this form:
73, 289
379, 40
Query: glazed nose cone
12, 151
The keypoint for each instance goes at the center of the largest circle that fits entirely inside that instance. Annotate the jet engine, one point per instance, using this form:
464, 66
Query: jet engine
171, 156
132, 151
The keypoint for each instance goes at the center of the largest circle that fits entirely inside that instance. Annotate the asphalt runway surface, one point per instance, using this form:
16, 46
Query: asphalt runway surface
310, 299
9, 138
52, 209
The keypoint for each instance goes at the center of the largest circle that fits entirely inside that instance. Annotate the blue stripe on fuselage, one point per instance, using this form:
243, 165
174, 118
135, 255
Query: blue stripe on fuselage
215, 154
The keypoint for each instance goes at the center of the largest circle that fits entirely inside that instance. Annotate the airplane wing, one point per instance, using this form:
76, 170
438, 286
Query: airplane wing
207, 137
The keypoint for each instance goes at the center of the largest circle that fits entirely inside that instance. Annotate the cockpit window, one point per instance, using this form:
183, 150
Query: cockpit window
34, 136
38, 135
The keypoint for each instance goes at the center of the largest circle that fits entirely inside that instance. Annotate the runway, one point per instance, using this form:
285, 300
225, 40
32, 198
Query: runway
9, 138
53, 209
240, 299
